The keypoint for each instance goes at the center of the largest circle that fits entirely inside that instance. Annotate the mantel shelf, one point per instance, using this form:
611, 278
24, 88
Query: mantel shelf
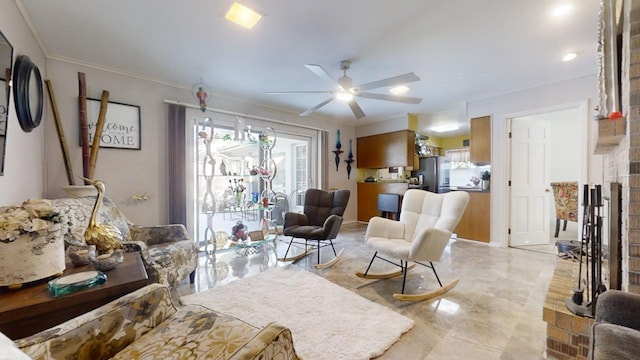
610, 133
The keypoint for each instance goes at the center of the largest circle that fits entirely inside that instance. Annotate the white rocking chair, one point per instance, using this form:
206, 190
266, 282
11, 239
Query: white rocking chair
421, 235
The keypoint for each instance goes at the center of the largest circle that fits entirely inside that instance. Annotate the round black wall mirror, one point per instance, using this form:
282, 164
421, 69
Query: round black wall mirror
27, 93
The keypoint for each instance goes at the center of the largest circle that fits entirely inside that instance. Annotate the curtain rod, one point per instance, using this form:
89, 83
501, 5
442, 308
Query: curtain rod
227, 112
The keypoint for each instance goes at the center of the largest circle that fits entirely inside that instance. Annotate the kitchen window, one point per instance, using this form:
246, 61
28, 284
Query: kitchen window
459, 158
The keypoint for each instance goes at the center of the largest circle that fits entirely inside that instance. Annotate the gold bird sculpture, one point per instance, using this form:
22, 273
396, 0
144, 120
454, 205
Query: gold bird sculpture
105, 237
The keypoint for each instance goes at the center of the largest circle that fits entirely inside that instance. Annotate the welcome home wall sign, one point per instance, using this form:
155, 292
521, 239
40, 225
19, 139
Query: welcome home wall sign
121, 127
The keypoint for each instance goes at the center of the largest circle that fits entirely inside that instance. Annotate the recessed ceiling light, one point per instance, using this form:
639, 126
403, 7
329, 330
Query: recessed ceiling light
242, 16
561, 10
569, 57
445, 128
400, 89
344, 96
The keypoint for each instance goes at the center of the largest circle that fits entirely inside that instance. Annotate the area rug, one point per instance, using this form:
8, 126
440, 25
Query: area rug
326, 320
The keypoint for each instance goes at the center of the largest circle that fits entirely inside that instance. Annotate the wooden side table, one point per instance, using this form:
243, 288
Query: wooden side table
27, 311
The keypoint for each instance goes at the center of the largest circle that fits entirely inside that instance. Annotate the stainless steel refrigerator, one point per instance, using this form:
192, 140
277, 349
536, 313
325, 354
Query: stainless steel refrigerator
433, 174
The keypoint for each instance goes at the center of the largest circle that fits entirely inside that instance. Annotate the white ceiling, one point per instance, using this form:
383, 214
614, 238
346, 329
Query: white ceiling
463, 50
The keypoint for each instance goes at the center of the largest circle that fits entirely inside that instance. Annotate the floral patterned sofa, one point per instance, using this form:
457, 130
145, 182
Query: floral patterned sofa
145, 324
168, 253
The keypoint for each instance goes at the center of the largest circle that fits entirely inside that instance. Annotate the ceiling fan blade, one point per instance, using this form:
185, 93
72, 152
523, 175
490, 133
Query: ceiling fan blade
357, 111
309, 111
321, 73
392, 81
401, 99
298, 92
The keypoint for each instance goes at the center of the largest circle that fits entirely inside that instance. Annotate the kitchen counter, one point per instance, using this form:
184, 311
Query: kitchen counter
476, 220
469, 189
384, 181
368, 196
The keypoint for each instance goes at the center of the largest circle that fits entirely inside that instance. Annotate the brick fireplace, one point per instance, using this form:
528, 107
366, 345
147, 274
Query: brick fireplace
567, 334
619, 141
622, 160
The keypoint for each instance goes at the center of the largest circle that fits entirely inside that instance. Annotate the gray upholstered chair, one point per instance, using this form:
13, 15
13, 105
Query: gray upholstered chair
320, 223
616, 331
422, 233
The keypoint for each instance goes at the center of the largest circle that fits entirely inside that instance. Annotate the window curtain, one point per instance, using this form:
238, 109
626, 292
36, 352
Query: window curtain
177, 165
458, 155
323, 166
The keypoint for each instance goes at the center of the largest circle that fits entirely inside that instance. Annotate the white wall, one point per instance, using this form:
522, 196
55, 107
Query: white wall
552, 96
565, 155
129, 172
23, 171
394, 124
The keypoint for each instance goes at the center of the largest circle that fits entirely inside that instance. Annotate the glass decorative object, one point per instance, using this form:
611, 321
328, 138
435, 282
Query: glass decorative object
349, 159
208, 205
68, 284
201, 92
338, 151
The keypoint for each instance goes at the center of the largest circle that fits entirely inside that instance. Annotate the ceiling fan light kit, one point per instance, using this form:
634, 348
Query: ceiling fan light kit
347, 92
398, 90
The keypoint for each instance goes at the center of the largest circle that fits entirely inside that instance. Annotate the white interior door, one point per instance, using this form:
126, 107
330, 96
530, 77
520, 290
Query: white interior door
530, 189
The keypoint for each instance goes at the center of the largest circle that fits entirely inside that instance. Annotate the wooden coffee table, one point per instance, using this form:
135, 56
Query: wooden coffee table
29, 310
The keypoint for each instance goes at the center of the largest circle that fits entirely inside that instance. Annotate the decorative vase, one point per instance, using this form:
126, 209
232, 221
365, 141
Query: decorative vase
238, 198
32, 256
486, 185
76, 191
338, 143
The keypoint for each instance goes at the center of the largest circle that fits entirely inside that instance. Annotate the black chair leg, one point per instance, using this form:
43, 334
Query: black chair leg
403, 265
318, 251
192, 277
334, 249
557, 228
435, 273
564, 228
288, 247
371, 262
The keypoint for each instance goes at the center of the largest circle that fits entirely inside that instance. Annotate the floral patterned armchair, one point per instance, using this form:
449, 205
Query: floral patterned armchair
168, 253
145, 324
566, 199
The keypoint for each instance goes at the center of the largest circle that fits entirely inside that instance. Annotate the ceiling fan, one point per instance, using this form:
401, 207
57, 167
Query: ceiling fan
345, 90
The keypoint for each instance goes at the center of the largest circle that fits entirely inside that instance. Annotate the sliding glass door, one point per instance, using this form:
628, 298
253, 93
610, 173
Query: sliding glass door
225, 185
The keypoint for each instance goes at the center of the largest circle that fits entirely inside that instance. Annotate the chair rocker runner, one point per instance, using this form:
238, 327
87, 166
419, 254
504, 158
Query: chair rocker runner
420, 236
320, 223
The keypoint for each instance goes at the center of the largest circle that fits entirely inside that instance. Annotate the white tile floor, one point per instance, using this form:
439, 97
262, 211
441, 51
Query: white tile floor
495, 312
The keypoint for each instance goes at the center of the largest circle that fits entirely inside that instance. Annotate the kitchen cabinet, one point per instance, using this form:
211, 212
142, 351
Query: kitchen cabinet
476, 220
480, 142
386, 150
368, 196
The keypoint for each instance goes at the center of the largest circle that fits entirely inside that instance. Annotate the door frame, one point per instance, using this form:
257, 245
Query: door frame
583, 113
